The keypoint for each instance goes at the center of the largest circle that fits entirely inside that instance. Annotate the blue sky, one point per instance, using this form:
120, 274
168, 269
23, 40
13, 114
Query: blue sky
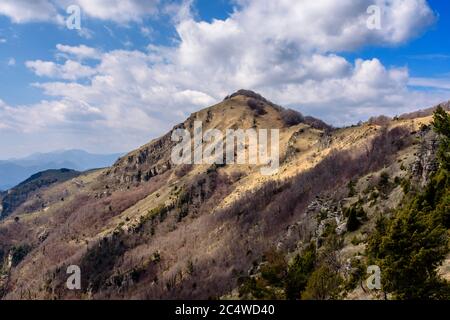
136, 68
425, 56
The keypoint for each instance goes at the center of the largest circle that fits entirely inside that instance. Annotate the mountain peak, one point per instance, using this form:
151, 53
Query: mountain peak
252, 95
246, 93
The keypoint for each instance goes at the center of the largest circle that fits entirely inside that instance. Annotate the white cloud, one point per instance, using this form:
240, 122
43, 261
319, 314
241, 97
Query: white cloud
70, 70
118, 10
23, 11
329, 25
80, 52
268, 44
11, 62
431, 56
147, 31
30, 118
3, 40
437, 83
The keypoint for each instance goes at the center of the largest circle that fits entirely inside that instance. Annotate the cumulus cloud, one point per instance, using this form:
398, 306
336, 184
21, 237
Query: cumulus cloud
329, 25
118, 10
268, 43
70, 70
24, 11
288, 50
80, 52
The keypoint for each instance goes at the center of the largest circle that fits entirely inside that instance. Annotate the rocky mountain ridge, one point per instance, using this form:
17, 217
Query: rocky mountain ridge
146, 228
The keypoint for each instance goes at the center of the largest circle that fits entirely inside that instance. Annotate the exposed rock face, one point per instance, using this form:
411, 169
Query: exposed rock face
329, 211
141, 165
426, 163
325, 141
320, 212
43, 235
291, 148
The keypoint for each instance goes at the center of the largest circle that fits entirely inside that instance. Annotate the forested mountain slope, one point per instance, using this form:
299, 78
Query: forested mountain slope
147, 228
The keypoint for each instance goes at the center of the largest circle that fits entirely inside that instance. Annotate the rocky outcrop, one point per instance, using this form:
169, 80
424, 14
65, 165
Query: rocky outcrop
292, 150
325, 140
426, 163
143, 164
328, 211
320, 213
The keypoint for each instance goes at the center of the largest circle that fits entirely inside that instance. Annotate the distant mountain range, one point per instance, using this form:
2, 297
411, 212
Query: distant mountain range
14, 171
